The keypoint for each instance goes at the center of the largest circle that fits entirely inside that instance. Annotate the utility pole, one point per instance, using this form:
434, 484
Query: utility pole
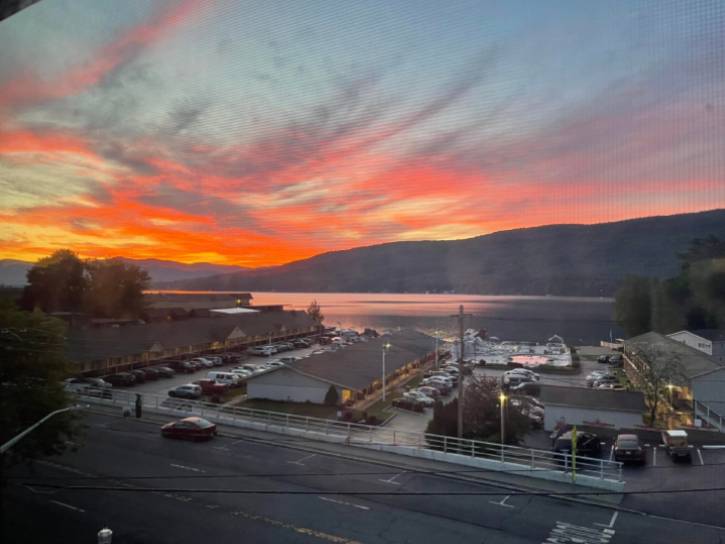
460, 315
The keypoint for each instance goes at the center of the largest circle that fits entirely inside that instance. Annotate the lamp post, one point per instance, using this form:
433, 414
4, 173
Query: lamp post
502, 398
386, 347
18, 437
435, 335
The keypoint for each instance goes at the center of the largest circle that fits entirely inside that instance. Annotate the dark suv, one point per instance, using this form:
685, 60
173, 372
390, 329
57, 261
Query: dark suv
121, 379
587, 444
628, 449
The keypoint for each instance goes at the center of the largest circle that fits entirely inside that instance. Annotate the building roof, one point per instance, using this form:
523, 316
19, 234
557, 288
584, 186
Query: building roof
95, 344
359, 365
660, 349
714, 335
233, 311
592, 399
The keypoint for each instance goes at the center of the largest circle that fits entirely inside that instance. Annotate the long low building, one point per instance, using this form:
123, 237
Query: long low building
113, 348
354, 371
584, 406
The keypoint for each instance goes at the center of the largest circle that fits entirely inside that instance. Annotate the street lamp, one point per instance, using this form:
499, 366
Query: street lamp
502, 398
18, 437
386, 347
435, 335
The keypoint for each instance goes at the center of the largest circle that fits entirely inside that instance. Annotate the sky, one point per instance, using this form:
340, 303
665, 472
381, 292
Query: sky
256, 133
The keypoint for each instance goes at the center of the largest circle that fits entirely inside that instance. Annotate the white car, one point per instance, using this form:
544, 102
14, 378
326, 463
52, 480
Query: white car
274, 364
241, 372
611, 386
523, 372
264, 351
417, 396
206, 363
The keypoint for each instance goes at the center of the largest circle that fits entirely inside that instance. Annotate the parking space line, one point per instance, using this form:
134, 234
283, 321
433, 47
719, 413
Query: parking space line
392, 479
69, 506
654, 456
699, 455
344, 503
503, 502
299, 461
611, 521
184, 467
611, 453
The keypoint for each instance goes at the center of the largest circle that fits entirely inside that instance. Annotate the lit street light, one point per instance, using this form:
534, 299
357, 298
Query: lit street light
502, 399
386, 347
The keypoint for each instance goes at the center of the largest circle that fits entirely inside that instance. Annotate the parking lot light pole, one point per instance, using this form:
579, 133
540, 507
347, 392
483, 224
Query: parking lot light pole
502, 402
18, 437
386, 347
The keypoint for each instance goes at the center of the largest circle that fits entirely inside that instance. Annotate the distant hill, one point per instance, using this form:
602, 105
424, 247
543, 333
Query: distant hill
584, 260
12, 272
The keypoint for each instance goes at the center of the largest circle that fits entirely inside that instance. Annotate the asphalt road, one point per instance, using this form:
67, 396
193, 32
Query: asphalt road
170, 491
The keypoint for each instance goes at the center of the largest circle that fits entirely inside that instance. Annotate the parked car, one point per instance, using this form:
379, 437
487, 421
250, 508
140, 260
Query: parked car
533, 376
165, 371
290, 359
139, 374
587, 444
425, 400
301, 343
187, 391
203, 361
605, 379
183, 367
189, 428
532, 389
263, 351
274, 364
603, 359
211, 387
675, 442
594, 376
120, 379
442, 387
512, 380
535, 415
429, 391
628, 449
611, 386
151, 373
408, 404
81, 384
226, 378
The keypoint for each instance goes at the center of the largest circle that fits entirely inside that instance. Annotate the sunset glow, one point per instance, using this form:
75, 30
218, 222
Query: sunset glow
261, 133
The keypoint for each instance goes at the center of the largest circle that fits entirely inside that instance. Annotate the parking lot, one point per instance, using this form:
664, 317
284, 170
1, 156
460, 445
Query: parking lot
163, 385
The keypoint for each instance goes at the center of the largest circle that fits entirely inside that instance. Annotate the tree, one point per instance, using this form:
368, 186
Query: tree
115, 288
56, 283
315, 312
33, 366
481, 414
633, 305
332, 397
656, 369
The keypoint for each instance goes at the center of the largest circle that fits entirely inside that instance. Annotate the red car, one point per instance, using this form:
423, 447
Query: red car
189, 428
210, 387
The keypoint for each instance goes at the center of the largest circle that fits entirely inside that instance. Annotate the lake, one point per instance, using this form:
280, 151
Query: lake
579, 320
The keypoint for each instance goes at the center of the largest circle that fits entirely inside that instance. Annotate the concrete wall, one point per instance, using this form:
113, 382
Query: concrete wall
577, 416
718, 351
710, 389
285, 385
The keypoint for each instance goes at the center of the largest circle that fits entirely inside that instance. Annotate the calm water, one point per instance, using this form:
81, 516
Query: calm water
578, 320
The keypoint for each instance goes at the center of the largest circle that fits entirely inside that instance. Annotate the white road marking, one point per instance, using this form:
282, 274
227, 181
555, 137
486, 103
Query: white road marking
184, 467
392, 479
564, 533
503, 502
654, 456
69, 506
66, 468
611, 454
344, 503
39, 491
699, 454
611, 522
299, 461
221, 448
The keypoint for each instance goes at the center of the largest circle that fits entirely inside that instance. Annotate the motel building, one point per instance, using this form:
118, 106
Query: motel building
355, 371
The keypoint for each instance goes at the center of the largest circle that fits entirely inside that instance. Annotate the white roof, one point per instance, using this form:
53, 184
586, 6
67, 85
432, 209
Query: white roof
677, 434
234, 311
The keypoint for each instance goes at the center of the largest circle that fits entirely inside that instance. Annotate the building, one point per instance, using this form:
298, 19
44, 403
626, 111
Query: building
710, 341
694, 382
584, 406
100, 350
354, 371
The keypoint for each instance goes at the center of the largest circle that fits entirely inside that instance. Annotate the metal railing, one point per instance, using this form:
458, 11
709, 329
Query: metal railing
505, 458
711, 416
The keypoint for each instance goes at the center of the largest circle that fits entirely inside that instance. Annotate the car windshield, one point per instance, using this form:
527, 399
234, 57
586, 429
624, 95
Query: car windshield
628, 443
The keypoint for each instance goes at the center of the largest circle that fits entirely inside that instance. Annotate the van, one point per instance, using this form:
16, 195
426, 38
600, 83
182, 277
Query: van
223, 377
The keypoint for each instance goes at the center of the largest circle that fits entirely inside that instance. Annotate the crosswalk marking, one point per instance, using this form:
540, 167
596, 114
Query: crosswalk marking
567, 533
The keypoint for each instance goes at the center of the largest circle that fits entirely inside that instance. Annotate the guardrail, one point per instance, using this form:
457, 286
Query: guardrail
711, 416
487, 455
